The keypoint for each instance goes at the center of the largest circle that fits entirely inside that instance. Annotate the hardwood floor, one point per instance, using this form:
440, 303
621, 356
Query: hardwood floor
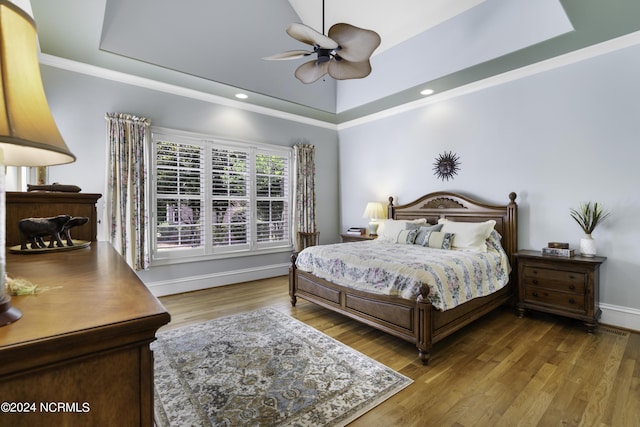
540, 370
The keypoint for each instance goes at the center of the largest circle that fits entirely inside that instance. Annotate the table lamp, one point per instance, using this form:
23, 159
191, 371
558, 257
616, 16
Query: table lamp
373, 211
28, 134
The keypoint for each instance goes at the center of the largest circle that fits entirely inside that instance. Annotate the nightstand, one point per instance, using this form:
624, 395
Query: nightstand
357, 238
558, 285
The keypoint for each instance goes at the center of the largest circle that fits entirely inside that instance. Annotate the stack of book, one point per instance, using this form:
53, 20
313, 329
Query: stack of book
558, 249
356, 231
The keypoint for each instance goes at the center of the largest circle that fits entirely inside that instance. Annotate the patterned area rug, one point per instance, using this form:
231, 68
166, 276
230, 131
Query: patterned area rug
264, 368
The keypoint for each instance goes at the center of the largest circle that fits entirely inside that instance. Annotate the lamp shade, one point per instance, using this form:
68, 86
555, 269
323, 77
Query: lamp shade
374, 210
28, 134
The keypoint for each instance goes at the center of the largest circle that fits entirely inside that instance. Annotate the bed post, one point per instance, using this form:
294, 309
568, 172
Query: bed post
292, 279
390, 209
512, 220
423, 341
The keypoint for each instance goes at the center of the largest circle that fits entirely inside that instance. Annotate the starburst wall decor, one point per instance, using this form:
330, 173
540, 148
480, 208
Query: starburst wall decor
446, 165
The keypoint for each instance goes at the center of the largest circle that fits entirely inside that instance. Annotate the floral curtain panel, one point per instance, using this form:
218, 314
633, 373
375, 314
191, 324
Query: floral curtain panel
305, 195
125, 199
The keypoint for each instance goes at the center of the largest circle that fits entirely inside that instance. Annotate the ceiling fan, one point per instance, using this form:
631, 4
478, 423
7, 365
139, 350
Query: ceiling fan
343, 54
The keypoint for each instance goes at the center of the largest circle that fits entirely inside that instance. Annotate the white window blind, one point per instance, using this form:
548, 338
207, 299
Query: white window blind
231, 196
179, 184
272, 173
216, 196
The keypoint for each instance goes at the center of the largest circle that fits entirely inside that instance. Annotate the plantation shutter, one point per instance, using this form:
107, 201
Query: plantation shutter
179, 195
216, 197
230, 196
272, 198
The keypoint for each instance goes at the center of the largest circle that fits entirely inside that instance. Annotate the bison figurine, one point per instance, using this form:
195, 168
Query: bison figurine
73, 222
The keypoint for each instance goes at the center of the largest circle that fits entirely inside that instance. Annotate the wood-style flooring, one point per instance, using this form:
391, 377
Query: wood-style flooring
502, 370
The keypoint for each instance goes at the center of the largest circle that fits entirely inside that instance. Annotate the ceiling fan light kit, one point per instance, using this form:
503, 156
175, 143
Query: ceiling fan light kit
343, 54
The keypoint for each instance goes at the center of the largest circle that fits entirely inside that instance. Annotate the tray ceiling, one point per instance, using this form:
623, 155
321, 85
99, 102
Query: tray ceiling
216, 46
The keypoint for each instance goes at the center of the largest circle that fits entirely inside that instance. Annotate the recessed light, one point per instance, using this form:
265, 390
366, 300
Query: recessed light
427, 92
241, 96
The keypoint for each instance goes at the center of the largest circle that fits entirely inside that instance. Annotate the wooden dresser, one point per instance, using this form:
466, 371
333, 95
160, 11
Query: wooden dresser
80, 355
44, 204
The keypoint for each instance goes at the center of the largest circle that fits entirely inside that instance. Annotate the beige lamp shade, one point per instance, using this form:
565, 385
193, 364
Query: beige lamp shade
374, 210
28, 134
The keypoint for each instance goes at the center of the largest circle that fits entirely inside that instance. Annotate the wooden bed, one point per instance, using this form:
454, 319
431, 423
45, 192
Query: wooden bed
417, 321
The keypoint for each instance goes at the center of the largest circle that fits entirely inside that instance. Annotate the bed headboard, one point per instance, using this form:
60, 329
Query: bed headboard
457, 207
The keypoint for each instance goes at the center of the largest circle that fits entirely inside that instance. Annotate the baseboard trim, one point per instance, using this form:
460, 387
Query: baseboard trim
622, 317
196, 283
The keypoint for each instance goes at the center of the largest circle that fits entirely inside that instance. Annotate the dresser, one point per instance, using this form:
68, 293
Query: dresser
45, 204
80, 355
566, 286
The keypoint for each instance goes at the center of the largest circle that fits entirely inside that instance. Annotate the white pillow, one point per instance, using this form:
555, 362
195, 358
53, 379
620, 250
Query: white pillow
389, 229
469, 236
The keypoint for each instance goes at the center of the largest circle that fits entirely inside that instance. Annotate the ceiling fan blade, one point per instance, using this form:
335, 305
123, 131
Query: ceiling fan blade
310, 36
357, 43
311, 71
344, 70
290, 54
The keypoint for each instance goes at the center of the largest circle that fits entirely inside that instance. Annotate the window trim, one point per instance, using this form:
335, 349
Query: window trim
209, 251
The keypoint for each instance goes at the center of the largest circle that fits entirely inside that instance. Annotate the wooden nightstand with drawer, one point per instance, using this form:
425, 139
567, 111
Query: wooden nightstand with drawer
346, 237
558, 285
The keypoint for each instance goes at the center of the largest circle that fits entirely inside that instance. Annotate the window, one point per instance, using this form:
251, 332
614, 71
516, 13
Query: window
214, 197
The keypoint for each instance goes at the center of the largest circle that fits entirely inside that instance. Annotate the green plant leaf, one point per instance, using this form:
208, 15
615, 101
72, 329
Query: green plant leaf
589, 215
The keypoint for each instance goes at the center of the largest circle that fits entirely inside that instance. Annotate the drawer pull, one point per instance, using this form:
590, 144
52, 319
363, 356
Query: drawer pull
572, 301
535, 294
571, 276
572, 287
534, 281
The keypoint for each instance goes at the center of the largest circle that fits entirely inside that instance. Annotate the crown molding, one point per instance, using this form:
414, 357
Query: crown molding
146, 83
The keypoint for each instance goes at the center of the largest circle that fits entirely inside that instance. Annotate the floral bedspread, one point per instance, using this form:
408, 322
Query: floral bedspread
453, 276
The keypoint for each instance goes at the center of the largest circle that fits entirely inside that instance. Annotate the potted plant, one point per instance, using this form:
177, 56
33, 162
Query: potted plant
588, 216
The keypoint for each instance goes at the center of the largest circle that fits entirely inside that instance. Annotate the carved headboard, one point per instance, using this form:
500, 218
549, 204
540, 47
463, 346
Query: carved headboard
45, 204
457, 207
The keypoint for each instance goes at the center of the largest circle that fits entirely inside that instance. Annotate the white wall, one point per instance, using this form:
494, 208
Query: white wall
556, 138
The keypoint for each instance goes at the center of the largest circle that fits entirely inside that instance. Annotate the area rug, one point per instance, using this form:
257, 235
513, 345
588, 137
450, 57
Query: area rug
264, 368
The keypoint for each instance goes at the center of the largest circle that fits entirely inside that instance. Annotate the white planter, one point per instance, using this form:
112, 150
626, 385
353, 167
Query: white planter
587, 246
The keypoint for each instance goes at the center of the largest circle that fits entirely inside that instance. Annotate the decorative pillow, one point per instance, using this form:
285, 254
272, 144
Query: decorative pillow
438, 239
389, 229
421, 237
407, 237
469, 236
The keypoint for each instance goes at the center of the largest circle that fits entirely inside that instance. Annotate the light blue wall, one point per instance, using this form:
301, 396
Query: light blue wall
79, 102
556, 138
